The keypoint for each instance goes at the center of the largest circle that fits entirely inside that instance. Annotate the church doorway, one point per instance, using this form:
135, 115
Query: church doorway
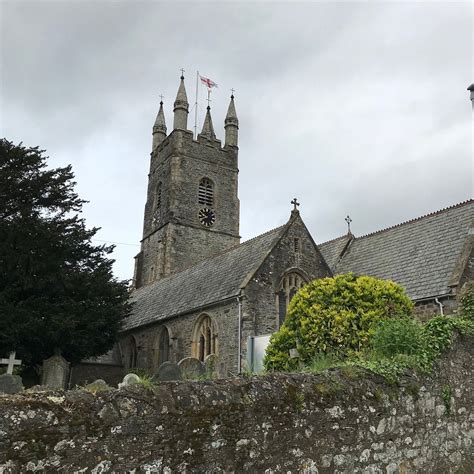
205, 338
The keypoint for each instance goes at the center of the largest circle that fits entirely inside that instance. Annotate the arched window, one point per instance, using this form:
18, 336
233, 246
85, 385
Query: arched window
206, 192
290, 284
163, 346
205, 338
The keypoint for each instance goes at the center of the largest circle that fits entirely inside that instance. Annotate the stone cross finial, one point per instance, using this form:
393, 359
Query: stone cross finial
232, 92
348, 220
182, 72
295, 204
10, 362
161, 97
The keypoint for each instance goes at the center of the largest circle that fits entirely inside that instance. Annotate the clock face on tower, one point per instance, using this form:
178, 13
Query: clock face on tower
207, 216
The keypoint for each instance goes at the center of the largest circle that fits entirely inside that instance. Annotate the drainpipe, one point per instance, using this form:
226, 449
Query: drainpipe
438, 302
239, 342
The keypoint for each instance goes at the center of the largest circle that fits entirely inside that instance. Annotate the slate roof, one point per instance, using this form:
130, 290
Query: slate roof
203, 284
420, 254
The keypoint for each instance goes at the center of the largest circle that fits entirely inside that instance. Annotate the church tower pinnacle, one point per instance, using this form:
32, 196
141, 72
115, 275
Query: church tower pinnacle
159, 128
231, 124
181, 108
208, 127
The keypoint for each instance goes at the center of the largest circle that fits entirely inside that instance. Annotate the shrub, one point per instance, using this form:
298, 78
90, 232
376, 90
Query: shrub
467, 301
336, 315
397, 336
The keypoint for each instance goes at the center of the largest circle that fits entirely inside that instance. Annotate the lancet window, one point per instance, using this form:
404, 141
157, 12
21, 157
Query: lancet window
205, 338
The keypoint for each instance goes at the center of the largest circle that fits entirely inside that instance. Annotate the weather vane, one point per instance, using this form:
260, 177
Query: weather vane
348, 220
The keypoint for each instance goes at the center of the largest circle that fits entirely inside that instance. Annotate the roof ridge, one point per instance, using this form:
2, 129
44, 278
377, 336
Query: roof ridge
336, 238
415, 219
212, 257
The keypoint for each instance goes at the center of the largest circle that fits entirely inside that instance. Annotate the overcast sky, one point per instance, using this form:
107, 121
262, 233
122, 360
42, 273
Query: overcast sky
355, 108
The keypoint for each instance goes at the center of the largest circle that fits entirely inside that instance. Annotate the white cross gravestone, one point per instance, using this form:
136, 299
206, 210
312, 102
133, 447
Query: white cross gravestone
10, 362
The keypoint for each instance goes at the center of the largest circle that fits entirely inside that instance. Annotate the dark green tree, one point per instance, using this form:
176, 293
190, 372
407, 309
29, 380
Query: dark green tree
57, 290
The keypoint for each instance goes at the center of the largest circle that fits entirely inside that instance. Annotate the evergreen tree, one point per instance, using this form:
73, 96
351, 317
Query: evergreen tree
57, 291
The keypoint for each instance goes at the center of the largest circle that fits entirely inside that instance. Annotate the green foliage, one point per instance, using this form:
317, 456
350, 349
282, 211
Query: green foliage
322, 362
391, 368
397, 336
438, 336
447, 395
336, 315
57, 290
146, 381
467, 300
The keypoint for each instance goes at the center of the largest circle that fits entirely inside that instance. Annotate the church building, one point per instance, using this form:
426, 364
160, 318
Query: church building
197, 290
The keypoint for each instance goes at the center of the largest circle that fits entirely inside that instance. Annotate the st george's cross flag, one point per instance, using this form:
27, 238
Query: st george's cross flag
208, 82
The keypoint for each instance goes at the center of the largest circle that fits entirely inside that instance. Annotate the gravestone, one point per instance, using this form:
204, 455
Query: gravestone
191, 368
129, 379
167, 372
10, 383
55, 372
210, 364
10, 362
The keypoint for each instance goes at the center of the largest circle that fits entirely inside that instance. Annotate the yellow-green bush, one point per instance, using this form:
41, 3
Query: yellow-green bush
336, 315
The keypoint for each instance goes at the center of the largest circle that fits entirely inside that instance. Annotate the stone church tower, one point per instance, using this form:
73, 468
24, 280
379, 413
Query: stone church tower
192, 207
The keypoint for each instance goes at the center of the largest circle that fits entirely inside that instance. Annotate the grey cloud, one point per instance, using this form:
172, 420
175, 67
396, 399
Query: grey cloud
356, 108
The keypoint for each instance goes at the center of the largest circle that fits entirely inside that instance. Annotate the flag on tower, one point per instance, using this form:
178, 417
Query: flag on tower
209, 83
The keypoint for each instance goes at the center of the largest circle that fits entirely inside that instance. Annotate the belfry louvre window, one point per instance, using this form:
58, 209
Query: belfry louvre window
206, 192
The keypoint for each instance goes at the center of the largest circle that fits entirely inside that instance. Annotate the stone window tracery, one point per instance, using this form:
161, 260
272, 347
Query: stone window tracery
205, 338
290, 284
206, 192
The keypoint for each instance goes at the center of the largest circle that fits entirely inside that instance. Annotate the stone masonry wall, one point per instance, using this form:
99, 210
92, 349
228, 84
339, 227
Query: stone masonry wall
181, 330
173, 237
335, 422
426, 310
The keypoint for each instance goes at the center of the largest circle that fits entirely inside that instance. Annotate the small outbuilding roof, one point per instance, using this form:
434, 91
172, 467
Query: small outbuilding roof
420, 254
215, 279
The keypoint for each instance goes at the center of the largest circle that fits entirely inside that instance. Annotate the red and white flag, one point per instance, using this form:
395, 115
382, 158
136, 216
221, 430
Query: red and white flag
209, 83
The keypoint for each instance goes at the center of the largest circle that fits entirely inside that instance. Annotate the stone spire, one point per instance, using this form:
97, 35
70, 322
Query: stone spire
159, 129
471, 90
231, 124
207, 127
181, 108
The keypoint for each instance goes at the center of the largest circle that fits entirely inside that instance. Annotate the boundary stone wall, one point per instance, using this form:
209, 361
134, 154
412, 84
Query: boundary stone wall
340, 421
